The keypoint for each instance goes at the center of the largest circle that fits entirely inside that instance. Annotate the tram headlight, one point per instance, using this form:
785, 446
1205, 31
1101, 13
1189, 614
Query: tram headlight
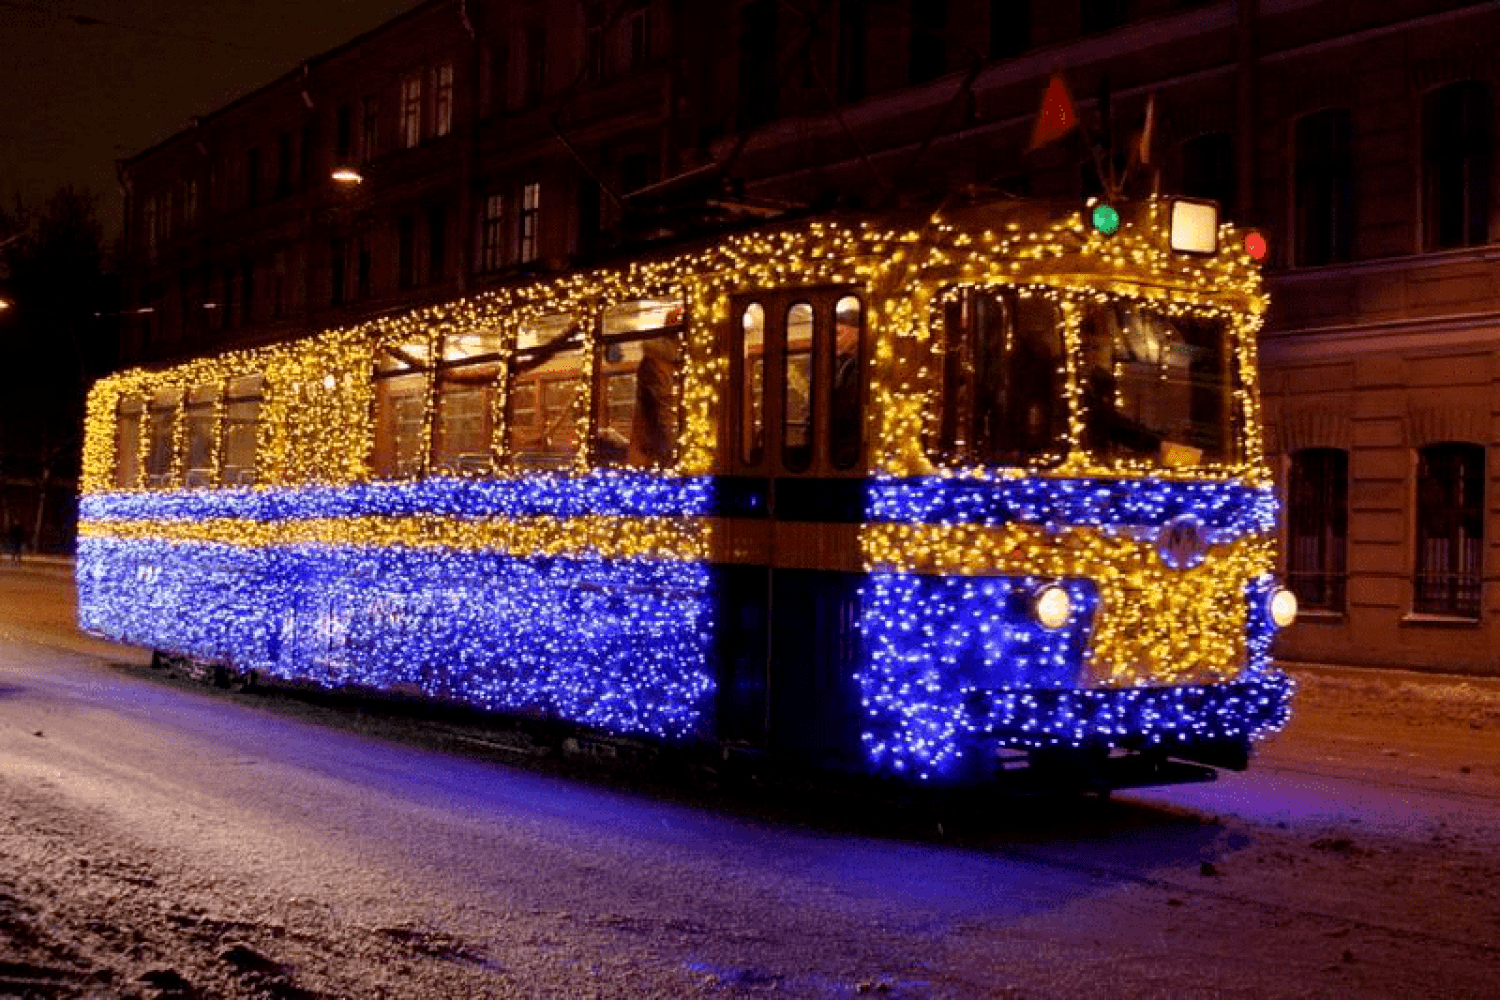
1051, 607
1283, 607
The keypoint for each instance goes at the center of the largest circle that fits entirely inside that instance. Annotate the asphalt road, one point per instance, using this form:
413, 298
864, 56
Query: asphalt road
163, 839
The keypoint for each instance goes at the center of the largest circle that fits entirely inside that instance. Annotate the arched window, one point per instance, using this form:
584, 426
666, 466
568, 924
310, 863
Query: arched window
1318, 528
1208, 170
1324, 188
1450, 530
1457, 147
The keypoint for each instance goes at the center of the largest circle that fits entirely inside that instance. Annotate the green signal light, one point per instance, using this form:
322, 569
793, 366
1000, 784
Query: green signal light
1106, 219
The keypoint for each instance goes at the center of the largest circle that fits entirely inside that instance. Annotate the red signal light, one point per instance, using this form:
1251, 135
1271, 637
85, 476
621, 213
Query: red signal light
1255, 245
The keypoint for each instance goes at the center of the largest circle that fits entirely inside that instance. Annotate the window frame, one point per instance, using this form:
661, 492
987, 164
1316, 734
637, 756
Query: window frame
1317, 558
1457, 528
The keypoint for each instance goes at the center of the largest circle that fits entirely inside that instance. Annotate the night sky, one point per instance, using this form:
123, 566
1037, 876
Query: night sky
84, 82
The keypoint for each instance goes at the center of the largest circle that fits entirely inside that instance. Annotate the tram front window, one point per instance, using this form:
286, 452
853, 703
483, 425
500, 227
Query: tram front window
1157, 388
1001, 398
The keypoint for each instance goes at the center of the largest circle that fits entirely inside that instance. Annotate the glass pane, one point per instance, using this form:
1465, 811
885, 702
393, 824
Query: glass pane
845, 405
470, 344
464, 430
162, 419
241, 421
128, 445
544, 391
797, 401
1158, 388
408, 355
399, 403
752, 403
637, 404
642, 314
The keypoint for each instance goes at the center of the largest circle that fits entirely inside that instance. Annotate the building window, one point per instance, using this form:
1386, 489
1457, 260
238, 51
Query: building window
593, 42
364, 262
1010, 28
406, 251
1457, 154
338, 265
757, 67
853, 45
536, 63
148, 226
1450, 530
307, 153
343, 133
1324, 188
1318, 527
252, 176
1095, 16
411, 111
1208, 170
437, 242
190, 204
369, 129
442, 99
927, 50
499, 78
283, 165
637, 29
492, 234
530, 221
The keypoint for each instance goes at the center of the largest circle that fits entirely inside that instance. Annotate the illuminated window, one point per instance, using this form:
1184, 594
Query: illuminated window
201, 424
242, 404
752, 383
545, 377
797, 388
845, 409
1001, 395
128, 443
636, 407
442, 99
492, 234
1324, 188
530, 221
401, 374
1457, 156
1318, 527
411, 110
1450, 530
467, 376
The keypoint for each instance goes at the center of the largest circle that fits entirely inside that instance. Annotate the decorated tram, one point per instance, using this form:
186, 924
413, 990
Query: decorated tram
944, 495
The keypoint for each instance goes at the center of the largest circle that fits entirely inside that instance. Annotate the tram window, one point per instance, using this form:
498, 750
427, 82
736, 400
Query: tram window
844, 416
463, 433
752, 404
201, 420
1001, 400
797, 394
128, 443
1157, 388
401, 374
637, 405
241, 427
162, 447
543, 425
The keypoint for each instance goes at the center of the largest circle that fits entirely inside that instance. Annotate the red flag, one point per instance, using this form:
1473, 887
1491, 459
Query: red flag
1058, 116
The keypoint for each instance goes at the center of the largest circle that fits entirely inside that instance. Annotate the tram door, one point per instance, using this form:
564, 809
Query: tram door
794, 497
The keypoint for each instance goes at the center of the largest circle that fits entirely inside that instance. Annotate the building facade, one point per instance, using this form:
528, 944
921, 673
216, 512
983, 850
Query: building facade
494, 138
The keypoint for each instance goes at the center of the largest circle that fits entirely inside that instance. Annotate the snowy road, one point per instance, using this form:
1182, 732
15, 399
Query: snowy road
163, 840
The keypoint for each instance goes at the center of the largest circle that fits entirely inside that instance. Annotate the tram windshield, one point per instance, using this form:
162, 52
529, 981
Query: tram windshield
1158, 388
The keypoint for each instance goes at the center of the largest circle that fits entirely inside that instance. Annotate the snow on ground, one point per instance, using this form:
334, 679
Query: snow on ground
159, 840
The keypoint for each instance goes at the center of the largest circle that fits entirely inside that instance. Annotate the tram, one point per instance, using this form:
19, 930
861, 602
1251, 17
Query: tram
944, 495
